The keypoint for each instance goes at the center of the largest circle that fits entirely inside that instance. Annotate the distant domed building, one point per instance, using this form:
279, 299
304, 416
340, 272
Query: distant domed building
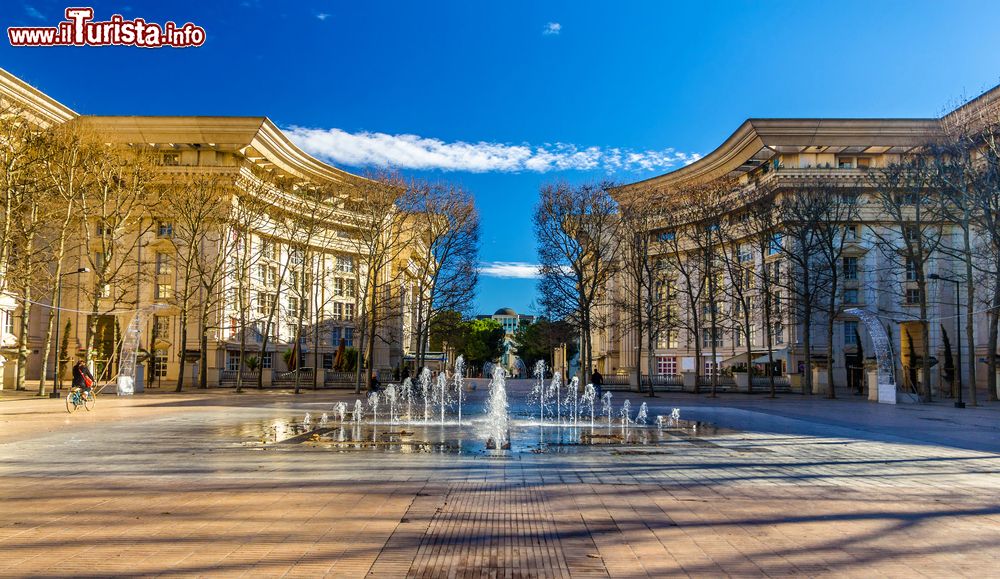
511, 321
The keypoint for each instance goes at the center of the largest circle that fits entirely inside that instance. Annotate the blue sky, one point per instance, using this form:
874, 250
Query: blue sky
505, 96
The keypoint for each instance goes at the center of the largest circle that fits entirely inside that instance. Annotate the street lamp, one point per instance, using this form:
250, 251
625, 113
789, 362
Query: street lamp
56, 376
958, 324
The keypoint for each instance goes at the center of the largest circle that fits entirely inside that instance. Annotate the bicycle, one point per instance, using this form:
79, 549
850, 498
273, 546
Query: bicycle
75, 399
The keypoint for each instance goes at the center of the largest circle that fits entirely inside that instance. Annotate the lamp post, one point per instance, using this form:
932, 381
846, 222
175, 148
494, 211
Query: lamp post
958, 323
56, 376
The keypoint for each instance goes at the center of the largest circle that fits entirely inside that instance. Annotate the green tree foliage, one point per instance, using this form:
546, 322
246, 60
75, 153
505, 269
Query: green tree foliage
536, 341
478, 340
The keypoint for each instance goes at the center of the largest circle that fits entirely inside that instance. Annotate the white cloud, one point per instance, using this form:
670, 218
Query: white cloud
552, 28
366, 149
33, 12
510, 269
323, 16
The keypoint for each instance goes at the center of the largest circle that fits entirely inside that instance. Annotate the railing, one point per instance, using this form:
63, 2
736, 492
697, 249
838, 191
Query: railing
340, 377
228, 377
616, 380
665, 382
765, 382
285, 379
724, 383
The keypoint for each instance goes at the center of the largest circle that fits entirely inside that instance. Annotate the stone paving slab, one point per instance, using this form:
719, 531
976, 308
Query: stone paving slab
158, 486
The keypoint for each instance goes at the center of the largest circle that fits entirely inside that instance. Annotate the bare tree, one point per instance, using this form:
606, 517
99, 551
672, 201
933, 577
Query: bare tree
911, 236
762, 223
649, 292
575, 228
378, 227
247, 215
115, 209
69, 151
28, 207
195, 209
967, 171
446, 257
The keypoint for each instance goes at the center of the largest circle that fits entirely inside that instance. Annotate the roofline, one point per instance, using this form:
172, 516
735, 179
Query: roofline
755, 134
47, 110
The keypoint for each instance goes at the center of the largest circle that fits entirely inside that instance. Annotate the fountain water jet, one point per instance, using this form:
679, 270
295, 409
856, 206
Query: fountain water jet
459, 382
497, 414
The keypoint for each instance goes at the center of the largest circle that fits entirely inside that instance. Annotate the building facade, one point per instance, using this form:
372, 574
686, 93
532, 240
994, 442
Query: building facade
289, 282
778, 159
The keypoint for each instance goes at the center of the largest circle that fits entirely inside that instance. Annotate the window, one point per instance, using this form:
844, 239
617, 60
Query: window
912, 296
164, 264
171, 159
911, 233
338, 311
161, 328
850, 333
911, 270
345, 264
706, 338
850, 268
266, 359
160, 363
8, 322
666, 365
328, 361
232, 361
774, 247
907, 198
852, 232
710, 367
851, 296
745, 254
777, 333
100, 260
104, 290
349, 337
295, 256
268, 249
266, 302
738, 337
338, 286
845, 163
776, 304
293, 305
669, 339
102, 229
335, 334
164, 291
773, 272
666, 236
348, 312
164, 229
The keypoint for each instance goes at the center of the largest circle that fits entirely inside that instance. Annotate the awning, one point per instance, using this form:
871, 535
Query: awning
776, 354
742, 358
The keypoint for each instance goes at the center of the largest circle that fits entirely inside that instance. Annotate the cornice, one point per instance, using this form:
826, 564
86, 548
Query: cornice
45, 110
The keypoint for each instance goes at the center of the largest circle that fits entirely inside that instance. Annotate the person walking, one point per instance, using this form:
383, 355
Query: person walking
598, 381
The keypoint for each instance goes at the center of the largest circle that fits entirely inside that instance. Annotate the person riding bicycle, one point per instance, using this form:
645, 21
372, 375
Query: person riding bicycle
82, 378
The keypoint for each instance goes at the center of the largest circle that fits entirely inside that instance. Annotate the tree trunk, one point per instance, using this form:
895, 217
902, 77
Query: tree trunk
183, 347
807, 385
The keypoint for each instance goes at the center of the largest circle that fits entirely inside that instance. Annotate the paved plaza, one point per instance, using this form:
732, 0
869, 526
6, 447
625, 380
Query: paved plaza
188, 485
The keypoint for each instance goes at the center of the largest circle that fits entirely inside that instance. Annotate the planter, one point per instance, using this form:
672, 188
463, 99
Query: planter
690, 381
742, 380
